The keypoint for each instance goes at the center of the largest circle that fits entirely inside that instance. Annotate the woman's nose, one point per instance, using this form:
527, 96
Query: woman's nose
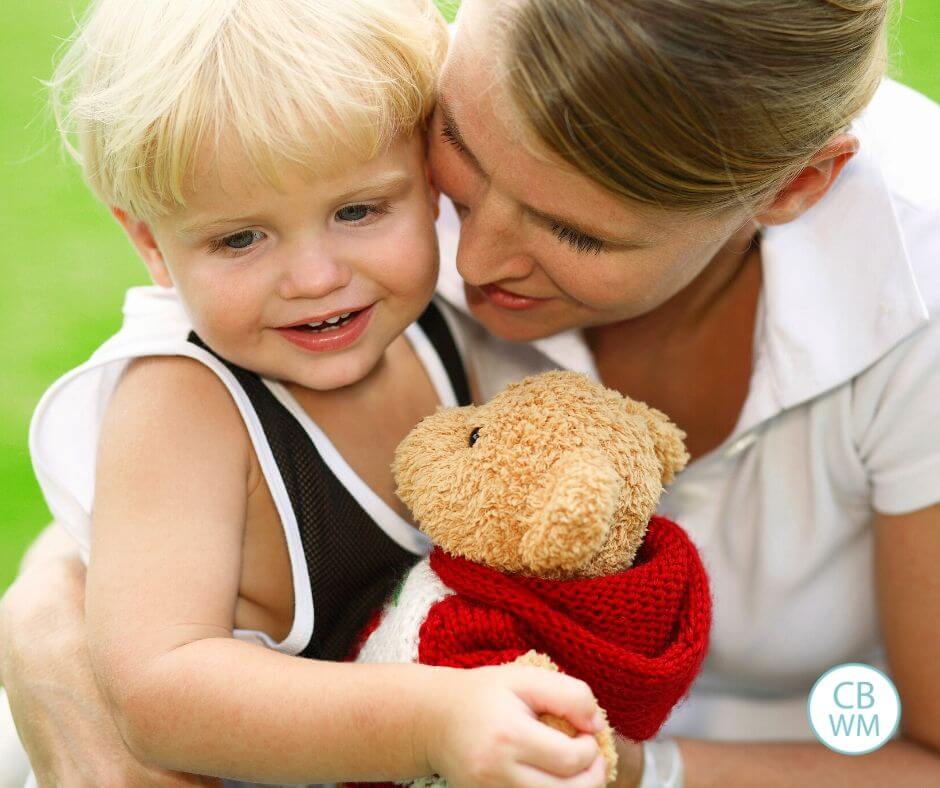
311, 271
492, 241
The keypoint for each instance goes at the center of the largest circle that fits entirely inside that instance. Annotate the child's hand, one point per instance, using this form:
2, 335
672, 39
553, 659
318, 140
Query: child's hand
486, 732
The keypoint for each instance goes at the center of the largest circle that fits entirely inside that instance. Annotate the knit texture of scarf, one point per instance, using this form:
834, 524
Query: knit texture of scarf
637, 638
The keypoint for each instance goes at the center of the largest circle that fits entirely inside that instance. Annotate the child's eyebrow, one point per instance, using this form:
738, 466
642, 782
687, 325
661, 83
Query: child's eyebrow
382, 185
205, 228
387, 183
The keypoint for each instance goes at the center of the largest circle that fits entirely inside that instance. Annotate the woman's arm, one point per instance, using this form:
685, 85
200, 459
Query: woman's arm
62, 719
907, 557
52, 546
172, 482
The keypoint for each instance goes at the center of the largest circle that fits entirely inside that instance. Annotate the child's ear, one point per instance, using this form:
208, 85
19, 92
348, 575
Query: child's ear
146, 245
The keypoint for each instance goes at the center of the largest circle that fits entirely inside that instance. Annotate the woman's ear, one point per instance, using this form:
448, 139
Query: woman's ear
812, 183
146, 245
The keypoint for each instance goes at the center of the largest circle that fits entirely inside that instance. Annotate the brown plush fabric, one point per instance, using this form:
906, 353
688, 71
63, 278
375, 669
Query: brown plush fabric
560, 480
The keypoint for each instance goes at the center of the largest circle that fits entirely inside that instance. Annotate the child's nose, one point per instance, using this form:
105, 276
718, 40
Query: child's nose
312, 273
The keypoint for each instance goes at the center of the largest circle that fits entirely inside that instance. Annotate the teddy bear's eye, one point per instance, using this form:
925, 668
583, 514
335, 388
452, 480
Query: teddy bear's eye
475, 435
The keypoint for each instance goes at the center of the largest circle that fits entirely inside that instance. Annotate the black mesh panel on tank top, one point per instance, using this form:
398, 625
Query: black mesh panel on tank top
352, 563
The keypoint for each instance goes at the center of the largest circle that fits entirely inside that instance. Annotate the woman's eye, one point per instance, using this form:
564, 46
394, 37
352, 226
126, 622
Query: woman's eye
237, 242
448, 135
354, 214
587, 244
475, 435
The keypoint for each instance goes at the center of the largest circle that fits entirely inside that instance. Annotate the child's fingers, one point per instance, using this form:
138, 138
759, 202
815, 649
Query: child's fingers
555, 752
546, 692
592, 777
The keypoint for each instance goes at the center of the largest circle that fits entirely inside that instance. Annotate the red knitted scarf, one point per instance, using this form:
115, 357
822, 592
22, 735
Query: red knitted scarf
637, 637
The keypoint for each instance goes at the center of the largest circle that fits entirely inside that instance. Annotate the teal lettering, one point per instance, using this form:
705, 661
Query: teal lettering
868, 728
838, 726
868, 693
835, 695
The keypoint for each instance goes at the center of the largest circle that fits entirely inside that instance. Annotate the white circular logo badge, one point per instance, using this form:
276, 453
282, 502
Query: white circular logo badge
854, 708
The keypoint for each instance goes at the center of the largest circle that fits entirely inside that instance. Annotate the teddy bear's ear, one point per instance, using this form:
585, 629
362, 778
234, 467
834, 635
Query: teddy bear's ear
668, 439
573, 512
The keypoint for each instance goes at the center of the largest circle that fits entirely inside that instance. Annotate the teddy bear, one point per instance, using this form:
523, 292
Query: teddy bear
540, 507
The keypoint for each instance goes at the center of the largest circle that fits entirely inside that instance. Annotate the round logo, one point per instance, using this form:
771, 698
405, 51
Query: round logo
854, 708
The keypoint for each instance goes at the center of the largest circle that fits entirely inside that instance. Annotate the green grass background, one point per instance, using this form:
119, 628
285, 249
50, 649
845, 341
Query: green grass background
64, 265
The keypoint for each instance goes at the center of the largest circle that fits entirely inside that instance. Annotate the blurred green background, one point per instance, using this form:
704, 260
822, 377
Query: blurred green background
65, 264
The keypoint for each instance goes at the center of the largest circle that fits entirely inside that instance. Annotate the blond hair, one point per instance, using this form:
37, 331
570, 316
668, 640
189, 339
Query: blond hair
691, 105
146, 85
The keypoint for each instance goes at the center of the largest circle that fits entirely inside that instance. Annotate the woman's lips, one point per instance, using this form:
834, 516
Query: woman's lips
508, 300
336, 339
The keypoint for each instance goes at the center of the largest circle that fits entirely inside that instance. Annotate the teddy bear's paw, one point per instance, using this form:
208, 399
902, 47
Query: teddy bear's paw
536, 659
432, 781
605, 737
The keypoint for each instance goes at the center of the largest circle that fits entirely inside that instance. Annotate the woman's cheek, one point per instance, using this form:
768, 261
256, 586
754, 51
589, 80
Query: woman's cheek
608, 282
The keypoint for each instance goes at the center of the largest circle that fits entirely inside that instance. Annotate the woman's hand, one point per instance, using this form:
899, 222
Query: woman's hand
60, 714
487, 733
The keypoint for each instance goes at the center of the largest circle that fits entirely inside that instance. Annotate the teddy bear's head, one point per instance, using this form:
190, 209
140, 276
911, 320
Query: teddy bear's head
555, 477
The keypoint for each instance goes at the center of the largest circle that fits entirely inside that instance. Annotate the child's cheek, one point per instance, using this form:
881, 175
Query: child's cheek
225, 306
412, 254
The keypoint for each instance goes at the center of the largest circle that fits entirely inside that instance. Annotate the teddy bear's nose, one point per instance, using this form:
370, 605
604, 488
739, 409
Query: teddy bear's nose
475, 435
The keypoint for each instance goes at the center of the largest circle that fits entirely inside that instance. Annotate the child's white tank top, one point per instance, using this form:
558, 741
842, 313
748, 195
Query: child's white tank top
343, 540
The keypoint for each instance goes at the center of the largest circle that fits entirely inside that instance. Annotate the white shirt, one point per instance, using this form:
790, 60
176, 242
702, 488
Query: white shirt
842, 418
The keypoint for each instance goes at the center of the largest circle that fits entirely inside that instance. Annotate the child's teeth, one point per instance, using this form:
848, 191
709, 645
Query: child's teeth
330, 324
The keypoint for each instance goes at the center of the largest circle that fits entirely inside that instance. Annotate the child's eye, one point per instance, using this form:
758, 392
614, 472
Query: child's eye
355, 214
237, 242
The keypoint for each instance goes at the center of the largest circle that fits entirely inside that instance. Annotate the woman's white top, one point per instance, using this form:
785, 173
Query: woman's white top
842, 419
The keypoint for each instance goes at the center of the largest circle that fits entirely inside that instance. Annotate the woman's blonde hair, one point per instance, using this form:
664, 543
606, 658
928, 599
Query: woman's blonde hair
146, 85
691, 105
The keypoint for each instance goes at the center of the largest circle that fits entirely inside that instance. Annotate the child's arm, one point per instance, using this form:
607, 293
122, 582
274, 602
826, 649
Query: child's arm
170, 506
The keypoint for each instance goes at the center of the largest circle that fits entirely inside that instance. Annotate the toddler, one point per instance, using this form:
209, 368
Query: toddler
224, 459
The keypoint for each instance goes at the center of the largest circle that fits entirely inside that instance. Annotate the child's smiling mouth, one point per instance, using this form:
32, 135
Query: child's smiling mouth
333, 332
326, 323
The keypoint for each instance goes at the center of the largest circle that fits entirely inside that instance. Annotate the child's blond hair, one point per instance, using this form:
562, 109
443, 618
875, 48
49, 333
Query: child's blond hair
145, 86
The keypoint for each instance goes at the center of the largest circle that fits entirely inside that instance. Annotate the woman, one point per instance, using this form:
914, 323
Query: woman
679, 197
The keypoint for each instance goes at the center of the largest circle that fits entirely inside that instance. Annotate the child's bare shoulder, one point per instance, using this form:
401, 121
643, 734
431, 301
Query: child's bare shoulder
177, 404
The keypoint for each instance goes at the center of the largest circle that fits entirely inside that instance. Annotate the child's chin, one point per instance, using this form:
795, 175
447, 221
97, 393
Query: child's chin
335, 373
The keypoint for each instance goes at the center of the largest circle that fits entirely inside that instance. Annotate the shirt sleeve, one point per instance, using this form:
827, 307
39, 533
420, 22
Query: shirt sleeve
63, 444
896, 412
